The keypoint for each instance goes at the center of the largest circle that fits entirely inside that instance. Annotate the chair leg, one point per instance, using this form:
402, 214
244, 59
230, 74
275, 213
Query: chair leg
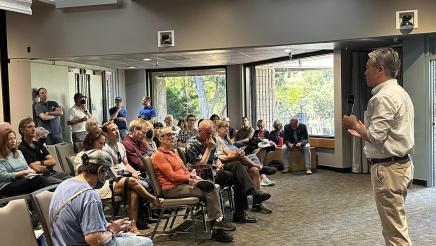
231, 199
186, 214
193, 225
157, 224
168, 220
174, 219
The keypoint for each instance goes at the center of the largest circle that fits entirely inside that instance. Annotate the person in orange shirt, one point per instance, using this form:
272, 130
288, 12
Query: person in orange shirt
177, 182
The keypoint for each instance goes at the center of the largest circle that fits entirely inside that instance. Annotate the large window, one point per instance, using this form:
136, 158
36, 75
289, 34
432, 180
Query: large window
301, 88
198, 92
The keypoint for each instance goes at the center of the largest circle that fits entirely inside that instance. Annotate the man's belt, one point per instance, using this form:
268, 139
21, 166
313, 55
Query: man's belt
388, 159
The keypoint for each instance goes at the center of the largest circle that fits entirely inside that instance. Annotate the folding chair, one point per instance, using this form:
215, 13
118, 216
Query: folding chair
64, 150
52, 150
16, 227
42, 198
171, 204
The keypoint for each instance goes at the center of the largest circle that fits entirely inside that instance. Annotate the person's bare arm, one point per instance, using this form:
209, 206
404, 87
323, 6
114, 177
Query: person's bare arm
49, 161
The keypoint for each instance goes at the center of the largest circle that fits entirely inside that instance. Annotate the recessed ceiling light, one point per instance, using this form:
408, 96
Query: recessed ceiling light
132, 67
288, 50
146, 59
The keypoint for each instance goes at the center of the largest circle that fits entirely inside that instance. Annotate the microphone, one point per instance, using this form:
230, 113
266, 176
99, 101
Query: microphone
350, 104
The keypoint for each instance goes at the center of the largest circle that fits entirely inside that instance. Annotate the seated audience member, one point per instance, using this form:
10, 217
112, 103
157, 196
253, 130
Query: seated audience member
181, 124
169, 123
91, 124
156, 127
41, 135
36, 154
214, 118
228, 152
150, 145
5, 126
118, 115
48, 115
261, 132
76, 210
189, 132
147, 112
276, 135
295, 136
16, 177
245, 133
176, 182
77, 117
232, 131
134, 145
95, 140
201, 151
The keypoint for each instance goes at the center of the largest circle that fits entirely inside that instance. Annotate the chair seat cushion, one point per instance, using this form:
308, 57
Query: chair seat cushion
181, 201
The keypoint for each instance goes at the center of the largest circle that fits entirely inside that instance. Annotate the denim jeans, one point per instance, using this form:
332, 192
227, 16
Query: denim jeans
125, 239
307, 156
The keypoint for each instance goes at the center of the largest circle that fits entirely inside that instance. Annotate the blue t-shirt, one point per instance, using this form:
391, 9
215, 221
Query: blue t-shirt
80, 217
122, 113
147, 113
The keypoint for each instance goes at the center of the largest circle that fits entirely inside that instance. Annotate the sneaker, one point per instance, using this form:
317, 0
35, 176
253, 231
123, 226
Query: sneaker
222, 236
267, 182
260, 196
308, 172
261, 209
243, 217
223, 225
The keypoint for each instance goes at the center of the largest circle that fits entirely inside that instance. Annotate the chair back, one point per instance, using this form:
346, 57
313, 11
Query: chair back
42, 198
64, 150
70, 161
152, 175
16, 225
182, 153
52, 150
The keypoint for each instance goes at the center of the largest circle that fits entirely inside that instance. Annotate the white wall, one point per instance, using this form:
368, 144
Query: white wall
418, 85
135, 89
203, 24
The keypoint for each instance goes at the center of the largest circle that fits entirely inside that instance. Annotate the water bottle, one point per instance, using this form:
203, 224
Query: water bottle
193, 175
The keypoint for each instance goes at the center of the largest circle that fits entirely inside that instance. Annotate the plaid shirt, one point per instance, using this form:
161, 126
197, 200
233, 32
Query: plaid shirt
185, 136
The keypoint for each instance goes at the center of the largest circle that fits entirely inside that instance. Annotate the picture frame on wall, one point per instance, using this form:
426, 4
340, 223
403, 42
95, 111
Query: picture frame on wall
165, 38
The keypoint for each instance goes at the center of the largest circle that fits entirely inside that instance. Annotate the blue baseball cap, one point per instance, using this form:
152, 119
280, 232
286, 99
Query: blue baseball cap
118, 98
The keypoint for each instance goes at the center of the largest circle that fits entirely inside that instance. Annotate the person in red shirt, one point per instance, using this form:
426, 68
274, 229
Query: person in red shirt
135, 149
177, 182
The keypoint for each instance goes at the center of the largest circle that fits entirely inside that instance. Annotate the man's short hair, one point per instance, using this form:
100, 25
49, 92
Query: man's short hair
23, 123
39, 89
386, 57
134, 124
189, 116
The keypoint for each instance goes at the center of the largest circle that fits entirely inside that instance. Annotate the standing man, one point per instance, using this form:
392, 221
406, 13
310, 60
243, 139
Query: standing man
388, 132
148, 112
119, 116
295, 136
77, 117
49, 116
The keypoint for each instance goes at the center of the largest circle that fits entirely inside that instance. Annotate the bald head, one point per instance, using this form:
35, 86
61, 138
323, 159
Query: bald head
205, 130
294, 122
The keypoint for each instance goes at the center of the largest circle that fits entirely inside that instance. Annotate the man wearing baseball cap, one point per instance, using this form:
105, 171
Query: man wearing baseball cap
77, 117
119, 115
147, 112
76, 196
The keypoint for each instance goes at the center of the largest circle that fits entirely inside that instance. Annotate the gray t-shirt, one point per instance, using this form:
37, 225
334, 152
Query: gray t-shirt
54, 125
80, 217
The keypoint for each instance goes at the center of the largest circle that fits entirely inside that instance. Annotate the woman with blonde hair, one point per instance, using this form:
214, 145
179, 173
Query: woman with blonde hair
16, 177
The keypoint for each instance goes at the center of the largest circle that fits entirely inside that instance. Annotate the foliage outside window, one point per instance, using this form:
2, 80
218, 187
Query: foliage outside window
304, 89
201, 93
